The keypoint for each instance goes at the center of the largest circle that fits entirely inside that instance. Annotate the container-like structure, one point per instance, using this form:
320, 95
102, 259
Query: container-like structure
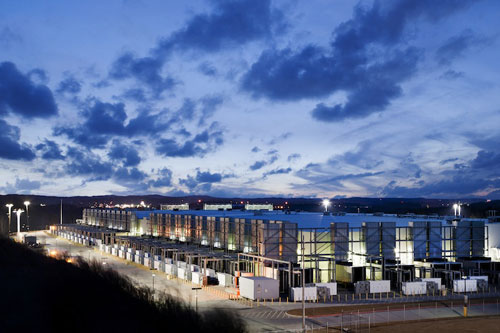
258, 288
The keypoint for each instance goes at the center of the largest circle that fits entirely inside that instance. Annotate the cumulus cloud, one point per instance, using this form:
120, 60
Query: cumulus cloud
50, 150
366, 59
279, 171
20, 95
125, 153
70, 85
21, 186
201, 182
455, 47
10, 147
231, 22
163, 178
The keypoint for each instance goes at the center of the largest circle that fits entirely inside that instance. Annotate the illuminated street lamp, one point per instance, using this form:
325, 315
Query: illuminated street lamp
18, 213
326, 203
26, 204
455, 207
9, 206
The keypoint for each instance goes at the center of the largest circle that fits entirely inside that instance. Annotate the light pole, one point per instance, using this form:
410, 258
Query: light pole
9, 206
396, 252
196, 297
153, 283
326, 203
18, 213
303, 288
27, 203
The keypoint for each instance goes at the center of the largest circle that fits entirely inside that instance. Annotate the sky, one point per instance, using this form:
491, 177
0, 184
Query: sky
254, 98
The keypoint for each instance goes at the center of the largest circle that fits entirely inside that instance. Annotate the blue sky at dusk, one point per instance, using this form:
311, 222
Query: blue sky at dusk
315, 98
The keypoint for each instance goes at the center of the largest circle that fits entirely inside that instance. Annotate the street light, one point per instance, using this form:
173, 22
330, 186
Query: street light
396, 253
153, 283
9, 206
326, 203
27, 203
18, 213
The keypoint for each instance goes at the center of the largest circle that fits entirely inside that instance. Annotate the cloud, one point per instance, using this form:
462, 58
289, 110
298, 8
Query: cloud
452, 75
21, 186
10, 147
255, 149
9, 38
231, 23
164, 178
207, 69
103, 120
69, 85
293, 157
50, 150
203, 143
207, 177
146, 70
456, 46
20, 95
362, 157
202, 182
280, 138
366, 59
125, 153
280, 171
87, 164
258, 165
135, 94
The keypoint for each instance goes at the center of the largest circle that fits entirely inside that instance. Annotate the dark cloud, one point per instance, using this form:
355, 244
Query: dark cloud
207, 177
486, 160
202, 182
258, 165
456, 46
207, 69
21, 186
199, 146
209, 105
50, 150
102, 121
361, 157
21, 96
126, 175
8, 37
86, 164
293, 157
135, 94
69, 85
126, 153
280, 138
10, 147
164, 178
255, 149
449, 160
364, 60
452, 75
231, 23
280, 171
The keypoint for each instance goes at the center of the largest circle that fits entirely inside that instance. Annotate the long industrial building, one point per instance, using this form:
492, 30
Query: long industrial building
339, 247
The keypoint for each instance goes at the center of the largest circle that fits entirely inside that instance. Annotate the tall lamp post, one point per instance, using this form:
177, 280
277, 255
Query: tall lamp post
26, 204
9, 206
18, 213
326, 203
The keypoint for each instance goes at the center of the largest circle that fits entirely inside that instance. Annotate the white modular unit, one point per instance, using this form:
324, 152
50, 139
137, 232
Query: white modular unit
259, 288
196, 277
271, 273
157, 265
210, 272
485, 277
195, 268
464, 286
121, 254
130, 256
114, 252
108, 249
382, 286
414, 288
181, 264
435, 280
181, 273
171, 269
310, 294
225, 280
169, 261
330, 285
138, 258
147, 262
101, 247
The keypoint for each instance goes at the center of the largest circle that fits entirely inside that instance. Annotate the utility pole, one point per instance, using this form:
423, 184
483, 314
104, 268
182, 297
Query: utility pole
196, 298
303, 288
61, 213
